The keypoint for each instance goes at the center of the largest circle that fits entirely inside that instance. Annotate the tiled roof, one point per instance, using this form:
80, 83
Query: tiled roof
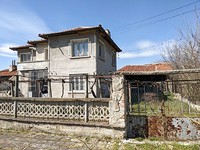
147, 67
7, 73
81, 30
69, 31
37, 41
21, 47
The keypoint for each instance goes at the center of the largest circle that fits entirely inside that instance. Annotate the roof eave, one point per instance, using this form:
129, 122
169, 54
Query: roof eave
37, 42
20, 47
46, 36
106, 36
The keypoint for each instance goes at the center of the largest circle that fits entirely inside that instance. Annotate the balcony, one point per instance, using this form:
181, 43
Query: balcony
32, 65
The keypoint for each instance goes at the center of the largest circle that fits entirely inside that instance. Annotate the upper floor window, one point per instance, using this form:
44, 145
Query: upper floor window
80, 48
25, 57
114, 59
101, 50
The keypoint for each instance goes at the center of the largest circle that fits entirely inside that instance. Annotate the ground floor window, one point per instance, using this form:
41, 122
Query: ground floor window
77, 82
38, 81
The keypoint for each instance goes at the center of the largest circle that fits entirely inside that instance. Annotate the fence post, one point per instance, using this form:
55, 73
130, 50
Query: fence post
86, 111
15, 109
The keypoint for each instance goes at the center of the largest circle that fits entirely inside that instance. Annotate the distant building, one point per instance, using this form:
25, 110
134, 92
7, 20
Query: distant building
6, 83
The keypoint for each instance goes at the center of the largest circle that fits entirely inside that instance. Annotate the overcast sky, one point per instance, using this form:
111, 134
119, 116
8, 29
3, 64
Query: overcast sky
141, 28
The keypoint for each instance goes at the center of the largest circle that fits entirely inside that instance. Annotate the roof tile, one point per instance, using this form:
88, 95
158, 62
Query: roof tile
147, 67
7, 73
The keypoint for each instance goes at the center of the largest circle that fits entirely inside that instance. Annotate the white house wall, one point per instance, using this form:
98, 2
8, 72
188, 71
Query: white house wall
40, 54
38, 63
62, 64
105, 66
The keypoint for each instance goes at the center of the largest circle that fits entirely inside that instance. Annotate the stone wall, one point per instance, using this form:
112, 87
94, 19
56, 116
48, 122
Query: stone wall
118, 103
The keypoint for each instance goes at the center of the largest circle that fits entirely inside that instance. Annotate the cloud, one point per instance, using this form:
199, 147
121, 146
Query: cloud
144, 44
145, 48
136, 55
20, 23
6, 52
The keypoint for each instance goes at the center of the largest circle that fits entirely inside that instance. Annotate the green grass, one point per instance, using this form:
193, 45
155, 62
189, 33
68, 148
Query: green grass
130, 146
171, 107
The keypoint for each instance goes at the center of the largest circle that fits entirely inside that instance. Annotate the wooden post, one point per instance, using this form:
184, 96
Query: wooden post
86, 96
72, 85
16, 85
129, 93
49, 85
86, 112
15, 109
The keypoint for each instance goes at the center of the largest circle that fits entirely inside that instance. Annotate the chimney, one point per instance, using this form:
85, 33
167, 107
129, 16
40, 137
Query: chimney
108, 32
13, 66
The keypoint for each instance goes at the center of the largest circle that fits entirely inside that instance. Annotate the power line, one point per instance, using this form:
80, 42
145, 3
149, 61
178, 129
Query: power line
149, 23
154, 46
158, 15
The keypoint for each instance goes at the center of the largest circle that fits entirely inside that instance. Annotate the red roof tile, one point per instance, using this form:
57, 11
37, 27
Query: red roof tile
7, 73
147, 67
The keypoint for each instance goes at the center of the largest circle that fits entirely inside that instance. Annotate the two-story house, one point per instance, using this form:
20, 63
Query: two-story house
68, 59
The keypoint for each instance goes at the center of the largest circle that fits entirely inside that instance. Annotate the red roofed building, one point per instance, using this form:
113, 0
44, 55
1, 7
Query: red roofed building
5, 83
147, 67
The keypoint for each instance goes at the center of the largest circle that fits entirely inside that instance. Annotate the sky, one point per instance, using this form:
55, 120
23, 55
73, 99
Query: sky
141, 28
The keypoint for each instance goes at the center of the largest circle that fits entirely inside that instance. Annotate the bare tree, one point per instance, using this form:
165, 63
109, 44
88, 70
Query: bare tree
185, 54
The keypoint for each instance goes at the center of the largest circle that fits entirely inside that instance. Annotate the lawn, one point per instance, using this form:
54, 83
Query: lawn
169, 107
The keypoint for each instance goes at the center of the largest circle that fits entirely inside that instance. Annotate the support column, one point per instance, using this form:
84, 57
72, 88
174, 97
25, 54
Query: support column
119, 103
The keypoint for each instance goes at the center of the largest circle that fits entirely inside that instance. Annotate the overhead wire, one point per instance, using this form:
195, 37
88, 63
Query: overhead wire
161, 14
149, 23
149, 47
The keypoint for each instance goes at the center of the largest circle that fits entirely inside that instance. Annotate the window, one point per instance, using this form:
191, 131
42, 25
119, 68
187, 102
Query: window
114, 59
77, 82
36, 75
80, 48
101, 50
25, 57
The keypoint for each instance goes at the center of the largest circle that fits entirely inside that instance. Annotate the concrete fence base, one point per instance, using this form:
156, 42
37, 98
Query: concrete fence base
60, 128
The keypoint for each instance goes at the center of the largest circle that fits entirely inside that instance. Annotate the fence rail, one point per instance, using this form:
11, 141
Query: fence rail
95, 110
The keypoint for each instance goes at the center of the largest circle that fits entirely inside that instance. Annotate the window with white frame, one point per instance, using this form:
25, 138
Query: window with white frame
77, 82
101, 50
79, 48
25, 57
